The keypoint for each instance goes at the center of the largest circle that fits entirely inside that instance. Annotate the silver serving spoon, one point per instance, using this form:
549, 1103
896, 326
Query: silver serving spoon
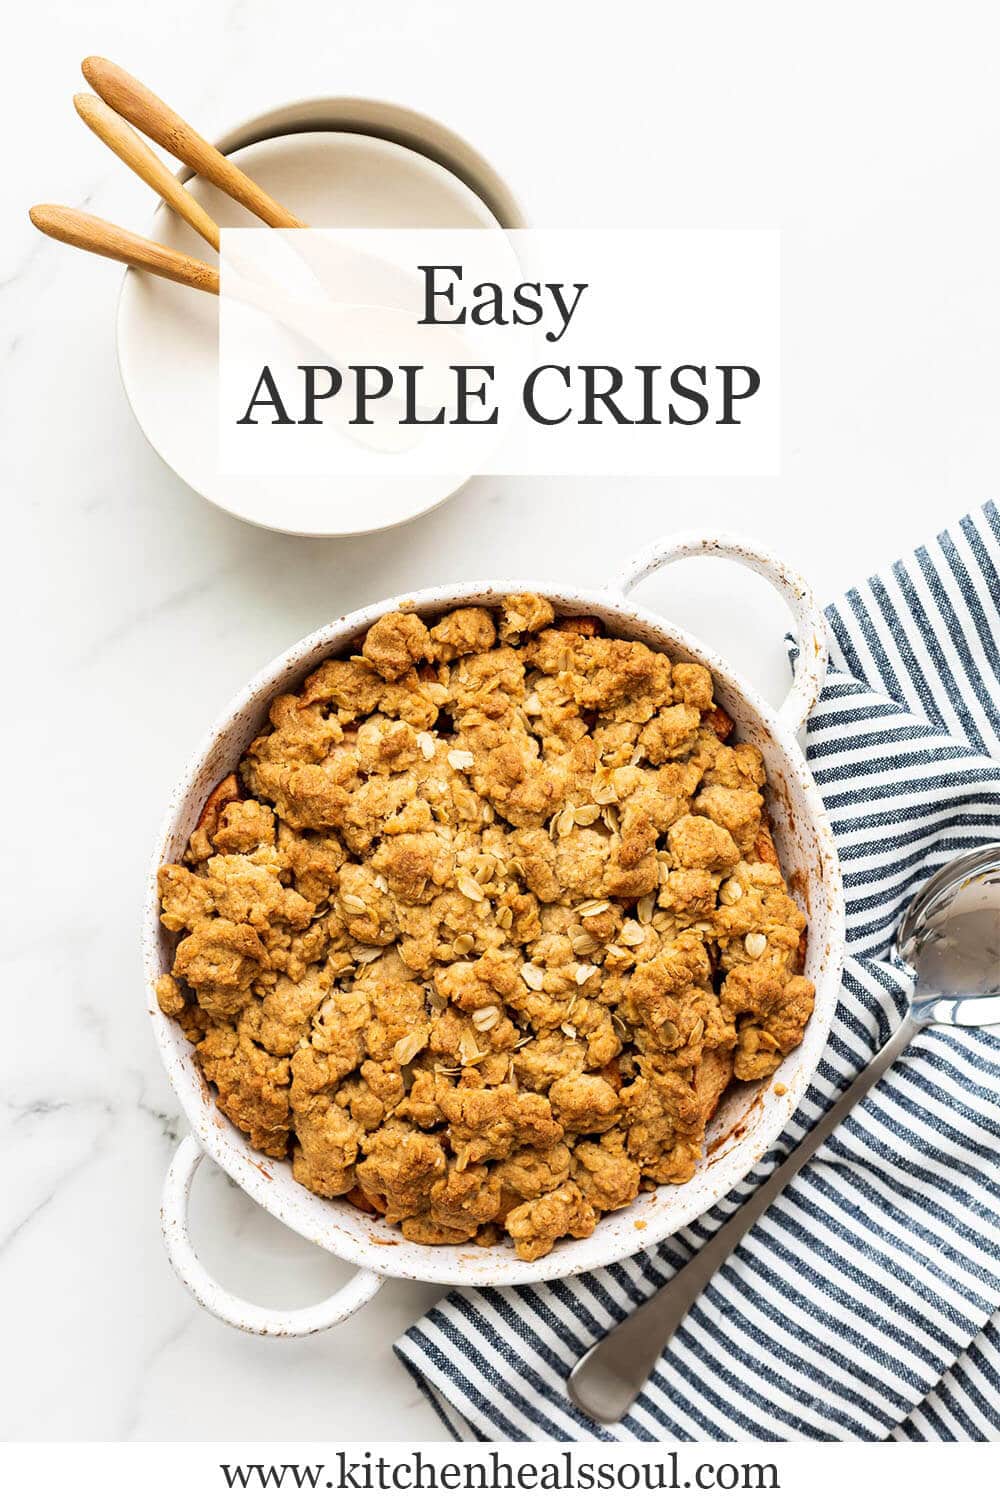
950, 937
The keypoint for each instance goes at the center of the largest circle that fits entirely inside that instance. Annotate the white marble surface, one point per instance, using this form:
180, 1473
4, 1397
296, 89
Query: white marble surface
866, 133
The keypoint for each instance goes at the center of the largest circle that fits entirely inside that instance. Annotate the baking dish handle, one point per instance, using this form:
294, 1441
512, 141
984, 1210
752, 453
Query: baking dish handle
809, 621
206, 1291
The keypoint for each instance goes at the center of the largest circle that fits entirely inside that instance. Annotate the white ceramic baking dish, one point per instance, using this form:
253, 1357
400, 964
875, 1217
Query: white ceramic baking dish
750, 1118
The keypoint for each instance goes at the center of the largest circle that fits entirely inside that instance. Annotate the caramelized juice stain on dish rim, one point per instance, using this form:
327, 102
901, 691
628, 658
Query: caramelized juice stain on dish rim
714, 1149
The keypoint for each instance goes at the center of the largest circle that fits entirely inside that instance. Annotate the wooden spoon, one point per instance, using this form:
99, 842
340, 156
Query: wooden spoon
133, 151
137, 104
87, 232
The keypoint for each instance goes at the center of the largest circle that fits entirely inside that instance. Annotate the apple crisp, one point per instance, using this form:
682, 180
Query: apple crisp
485, 925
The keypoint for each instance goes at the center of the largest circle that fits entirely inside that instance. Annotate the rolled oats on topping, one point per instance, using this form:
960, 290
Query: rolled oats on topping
526, 1062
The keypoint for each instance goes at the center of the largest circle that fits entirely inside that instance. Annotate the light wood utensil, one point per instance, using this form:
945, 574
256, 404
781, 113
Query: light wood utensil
141, 107
87, 232
133, 151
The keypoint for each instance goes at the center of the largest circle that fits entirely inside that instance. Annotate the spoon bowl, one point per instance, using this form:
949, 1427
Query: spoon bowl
950, 933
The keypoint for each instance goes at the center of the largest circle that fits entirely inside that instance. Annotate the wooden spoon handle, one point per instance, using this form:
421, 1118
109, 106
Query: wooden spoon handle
101, 238
137, 104
133, 151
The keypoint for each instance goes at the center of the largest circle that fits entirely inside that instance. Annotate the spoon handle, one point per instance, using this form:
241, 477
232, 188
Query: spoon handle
133, 151
607, 1379
140, 107
97, 236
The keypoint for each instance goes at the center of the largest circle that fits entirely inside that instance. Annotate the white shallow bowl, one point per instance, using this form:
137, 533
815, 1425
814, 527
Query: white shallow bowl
168, 335
751, 1116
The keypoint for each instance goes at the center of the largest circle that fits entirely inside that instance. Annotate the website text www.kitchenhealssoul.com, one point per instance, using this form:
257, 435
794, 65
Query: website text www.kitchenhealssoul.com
368, 1473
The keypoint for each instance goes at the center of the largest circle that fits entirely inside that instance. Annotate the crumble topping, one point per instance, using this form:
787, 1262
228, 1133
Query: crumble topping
486, 925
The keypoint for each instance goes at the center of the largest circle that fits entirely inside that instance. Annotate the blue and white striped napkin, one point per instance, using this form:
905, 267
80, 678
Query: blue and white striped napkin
865, 1304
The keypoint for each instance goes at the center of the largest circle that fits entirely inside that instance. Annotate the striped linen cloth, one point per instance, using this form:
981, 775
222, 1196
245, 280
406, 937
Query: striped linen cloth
865, 1304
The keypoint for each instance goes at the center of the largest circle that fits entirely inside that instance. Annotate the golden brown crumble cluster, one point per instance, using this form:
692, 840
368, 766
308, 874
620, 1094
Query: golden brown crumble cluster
486, 926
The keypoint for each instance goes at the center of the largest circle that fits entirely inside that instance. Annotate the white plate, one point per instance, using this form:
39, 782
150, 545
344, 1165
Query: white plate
168, 335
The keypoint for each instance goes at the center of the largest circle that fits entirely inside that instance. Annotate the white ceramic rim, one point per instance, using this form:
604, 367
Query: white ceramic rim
383, 1253
389, 121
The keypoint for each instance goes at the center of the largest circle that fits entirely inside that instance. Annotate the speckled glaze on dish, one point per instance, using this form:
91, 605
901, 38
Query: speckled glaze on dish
751, 1117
